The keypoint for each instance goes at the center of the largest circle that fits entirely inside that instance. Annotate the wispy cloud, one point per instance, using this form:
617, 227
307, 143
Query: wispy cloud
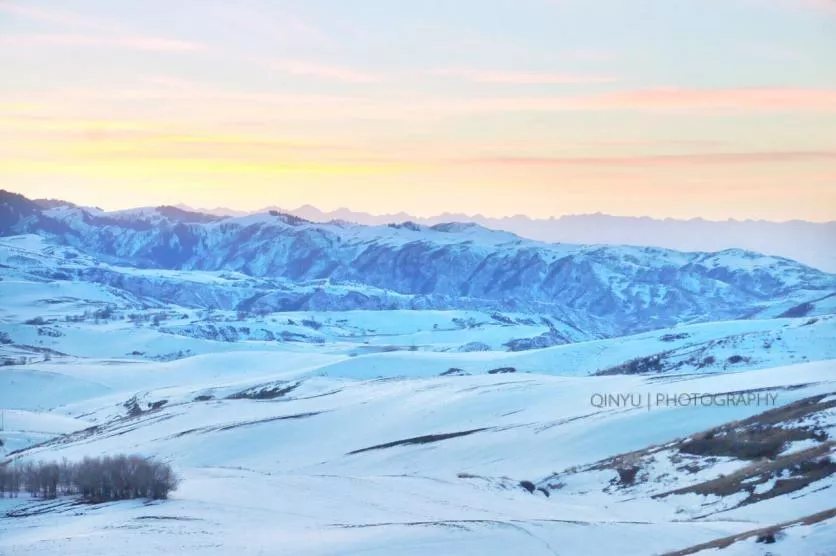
281, 26
56, 16
207, 95
128, 135
19, 107
649, 100
522, 77
107, 141
121, 167
151, 44
593, 55
209, 102
660, 160
655, 143
742, 98
827, 6
113, 34
313, 69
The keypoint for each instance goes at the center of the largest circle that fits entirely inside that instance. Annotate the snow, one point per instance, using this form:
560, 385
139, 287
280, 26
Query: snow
251, 479
25, 428
345, 432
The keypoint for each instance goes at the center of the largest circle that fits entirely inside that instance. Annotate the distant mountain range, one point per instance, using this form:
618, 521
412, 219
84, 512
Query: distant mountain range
812, 243
597, 290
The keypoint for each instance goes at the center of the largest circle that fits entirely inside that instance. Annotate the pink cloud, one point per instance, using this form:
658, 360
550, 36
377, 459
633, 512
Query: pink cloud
425, 108
181, 90
522, 77
135, 43
662, 99
815, 5
656, 143
116, 36
750, 98
659, 160
825, 5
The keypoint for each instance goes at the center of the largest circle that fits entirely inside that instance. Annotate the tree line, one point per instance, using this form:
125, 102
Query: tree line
96, 480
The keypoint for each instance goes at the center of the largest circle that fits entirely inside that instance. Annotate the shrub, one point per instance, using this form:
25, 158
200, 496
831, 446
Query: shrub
105, 313
502, 371
529, 486
499, 317
766, 538
707, 362
740, 446
311, 323
641, 365
627, 475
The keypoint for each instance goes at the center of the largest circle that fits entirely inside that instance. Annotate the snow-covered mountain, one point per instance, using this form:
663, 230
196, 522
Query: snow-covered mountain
811, 243
57, 300
601, 290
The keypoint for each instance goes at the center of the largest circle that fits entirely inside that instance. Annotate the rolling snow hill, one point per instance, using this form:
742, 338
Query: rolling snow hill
489, 464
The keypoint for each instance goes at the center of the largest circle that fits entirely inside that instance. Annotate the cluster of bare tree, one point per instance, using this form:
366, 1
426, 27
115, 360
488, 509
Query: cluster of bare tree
95, 479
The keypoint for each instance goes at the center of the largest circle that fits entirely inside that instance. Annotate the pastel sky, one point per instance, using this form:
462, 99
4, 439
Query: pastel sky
667, 108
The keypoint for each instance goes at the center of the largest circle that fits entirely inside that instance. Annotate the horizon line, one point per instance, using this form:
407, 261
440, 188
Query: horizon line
246, 212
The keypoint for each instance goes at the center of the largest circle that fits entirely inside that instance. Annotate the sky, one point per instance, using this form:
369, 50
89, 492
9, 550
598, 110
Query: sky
666, 108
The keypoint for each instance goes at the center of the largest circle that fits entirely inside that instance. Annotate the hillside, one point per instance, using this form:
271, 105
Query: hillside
450, 464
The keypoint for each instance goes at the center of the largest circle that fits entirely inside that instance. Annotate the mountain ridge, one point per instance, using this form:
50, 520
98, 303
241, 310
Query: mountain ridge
604, 290
808, 242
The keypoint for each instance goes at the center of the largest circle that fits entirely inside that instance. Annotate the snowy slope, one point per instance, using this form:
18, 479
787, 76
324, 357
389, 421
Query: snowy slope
258, 471
57, 319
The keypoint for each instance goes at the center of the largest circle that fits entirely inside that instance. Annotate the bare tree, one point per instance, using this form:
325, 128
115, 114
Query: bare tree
103, 479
